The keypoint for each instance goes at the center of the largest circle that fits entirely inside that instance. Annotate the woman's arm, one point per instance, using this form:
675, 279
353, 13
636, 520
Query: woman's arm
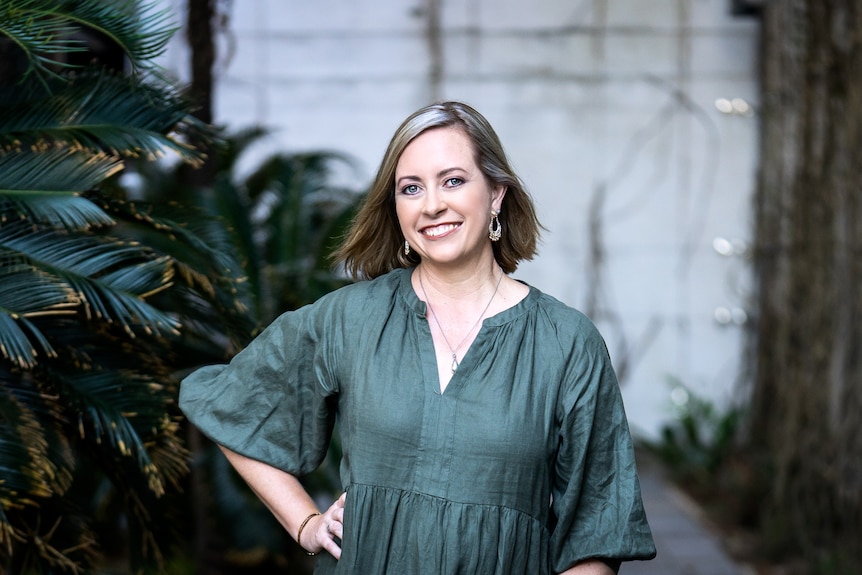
589, 567
285, 496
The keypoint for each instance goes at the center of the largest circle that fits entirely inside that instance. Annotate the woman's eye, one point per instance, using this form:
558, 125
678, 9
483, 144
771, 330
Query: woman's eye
454, 182
410, 190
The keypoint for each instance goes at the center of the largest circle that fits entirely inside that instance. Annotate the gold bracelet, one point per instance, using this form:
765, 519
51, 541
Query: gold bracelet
299, 533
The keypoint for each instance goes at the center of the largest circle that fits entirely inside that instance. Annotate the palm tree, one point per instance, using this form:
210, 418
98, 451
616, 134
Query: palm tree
90, 319
282, 218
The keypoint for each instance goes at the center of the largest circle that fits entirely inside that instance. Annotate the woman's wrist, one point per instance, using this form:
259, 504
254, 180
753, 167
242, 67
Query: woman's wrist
299, 533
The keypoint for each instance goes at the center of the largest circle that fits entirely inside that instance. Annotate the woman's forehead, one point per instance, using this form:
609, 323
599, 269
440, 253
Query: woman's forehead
436, 146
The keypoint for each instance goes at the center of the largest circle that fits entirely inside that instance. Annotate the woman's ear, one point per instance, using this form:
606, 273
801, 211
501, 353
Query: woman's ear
497, 196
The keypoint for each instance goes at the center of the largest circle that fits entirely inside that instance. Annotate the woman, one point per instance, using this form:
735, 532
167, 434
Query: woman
481, 422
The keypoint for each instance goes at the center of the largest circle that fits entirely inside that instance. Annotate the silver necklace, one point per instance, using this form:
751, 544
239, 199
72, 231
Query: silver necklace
455, 349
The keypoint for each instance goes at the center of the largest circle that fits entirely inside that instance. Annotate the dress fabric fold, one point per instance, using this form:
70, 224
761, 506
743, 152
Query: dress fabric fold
523, 465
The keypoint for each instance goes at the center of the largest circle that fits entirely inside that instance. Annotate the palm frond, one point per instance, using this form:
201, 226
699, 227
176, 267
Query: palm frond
300, 203
15, 343
101, 112
54, 169
207, 273
20, 436
111, 277
141, 30
26, 291
44, 185
39, 43
45, 27
124, 409
309, 171
67, 211
36, 464
237, 143
89, 322
35, 461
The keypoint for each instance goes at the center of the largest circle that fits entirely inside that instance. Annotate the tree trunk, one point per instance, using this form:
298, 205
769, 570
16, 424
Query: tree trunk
807, 394
199, 34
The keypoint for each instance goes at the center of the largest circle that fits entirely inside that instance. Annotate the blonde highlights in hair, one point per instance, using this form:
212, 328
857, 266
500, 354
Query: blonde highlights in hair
374, 243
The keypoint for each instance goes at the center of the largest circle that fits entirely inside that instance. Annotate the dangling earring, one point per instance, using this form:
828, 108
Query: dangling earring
495, 228
406, 248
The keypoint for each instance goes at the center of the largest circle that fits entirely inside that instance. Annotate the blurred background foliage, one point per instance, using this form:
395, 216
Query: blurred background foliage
112, 287
698, 441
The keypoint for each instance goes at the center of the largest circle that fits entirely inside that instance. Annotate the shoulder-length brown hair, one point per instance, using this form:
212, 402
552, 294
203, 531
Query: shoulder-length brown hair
374, 243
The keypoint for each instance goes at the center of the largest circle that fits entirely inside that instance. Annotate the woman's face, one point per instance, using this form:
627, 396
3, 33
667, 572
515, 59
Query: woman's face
442, 199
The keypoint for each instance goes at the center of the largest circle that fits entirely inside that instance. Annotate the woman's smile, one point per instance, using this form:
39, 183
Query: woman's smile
439, 230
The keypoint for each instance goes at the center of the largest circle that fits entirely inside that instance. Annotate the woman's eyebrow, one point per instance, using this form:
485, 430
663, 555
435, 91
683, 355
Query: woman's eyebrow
440, 174
448, 171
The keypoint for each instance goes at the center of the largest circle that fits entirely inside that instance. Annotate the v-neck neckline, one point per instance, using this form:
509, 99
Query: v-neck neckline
428, 353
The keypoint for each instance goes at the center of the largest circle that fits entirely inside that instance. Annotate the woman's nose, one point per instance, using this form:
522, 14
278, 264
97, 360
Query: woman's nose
434, 202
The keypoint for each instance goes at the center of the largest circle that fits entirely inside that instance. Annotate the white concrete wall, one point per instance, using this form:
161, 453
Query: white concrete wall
608, 111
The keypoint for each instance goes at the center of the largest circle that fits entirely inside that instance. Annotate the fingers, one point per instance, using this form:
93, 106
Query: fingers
335, 514
329, 526
340, 501
332, 547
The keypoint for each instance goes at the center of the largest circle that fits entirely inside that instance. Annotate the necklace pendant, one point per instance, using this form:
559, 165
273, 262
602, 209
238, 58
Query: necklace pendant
430, 311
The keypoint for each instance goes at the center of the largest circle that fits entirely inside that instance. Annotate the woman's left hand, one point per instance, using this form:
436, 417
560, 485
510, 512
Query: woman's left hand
322, 530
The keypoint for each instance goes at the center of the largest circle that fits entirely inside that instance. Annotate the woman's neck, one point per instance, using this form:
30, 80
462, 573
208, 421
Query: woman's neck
461, 284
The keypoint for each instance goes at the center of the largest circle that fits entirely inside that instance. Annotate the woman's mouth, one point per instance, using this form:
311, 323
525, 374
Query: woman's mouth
437, 231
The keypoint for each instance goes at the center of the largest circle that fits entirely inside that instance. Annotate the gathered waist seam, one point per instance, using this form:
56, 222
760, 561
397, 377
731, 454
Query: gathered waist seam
448, 500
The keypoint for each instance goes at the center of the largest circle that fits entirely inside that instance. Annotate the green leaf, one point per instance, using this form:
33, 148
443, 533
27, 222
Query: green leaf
55, 169
111, 277
41, 28
125, 409
206, 270
14, 343
56, 209
88, 322
34, 463
100, 112
27, 292
38, 38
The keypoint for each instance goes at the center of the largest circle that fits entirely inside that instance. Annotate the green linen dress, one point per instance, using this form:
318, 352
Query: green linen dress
523, 466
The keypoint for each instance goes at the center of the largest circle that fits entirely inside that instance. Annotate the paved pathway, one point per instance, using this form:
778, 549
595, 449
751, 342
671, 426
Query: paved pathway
685, 543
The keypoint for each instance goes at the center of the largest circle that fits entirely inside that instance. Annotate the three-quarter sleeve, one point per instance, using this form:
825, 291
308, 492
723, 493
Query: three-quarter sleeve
275, 401
596, 493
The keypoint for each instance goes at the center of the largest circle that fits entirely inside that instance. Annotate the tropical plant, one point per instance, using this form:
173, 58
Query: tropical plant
282, 216
90, 318
699, 440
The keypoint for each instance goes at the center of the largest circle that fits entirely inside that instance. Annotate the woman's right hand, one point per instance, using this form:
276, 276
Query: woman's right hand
288, 500
322, 530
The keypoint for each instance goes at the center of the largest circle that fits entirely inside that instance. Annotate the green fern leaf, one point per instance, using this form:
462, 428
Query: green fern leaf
91, 266
100, 112
41, 28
